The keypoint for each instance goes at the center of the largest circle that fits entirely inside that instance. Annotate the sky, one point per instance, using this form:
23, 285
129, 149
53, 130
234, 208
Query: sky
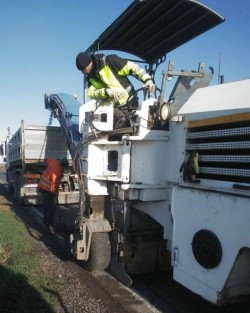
40, 39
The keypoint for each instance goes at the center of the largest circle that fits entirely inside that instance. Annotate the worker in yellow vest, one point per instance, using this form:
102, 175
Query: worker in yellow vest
107, 78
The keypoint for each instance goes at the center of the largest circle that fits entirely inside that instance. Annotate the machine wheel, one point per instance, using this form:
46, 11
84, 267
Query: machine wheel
100, 253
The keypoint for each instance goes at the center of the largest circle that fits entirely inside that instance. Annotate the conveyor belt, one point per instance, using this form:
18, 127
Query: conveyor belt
66, 109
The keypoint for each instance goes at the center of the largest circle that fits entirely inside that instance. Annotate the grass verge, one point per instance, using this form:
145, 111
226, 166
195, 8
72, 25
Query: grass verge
25, 284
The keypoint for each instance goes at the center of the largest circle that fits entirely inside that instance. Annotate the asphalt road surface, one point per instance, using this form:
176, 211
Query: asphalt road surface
155, 292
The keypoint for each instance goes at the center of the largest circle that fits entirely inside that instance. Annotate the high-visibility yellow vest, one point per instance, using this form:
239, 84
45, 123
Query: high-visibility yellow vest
111, 71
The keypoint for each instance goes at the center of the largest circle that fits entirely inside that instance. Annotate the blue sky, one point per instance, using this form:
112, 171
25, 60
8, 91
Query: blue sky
41, 38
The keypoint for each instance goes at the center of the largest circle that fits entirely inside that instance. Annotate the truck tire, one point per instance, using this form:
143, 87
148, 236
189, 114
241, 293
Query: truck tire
100, 253
18, 197
11, 189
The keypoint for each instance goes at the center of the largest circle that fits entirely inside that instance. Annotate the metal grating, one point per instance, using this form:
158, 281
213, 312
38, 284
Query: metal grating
220, 133
225, 171
225, 158
224, 151
219, 145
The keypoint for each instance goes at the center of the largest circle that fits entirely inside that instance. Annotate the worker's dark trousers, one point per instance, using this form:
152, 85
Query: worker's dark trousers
123, 114
119, 119
49, 199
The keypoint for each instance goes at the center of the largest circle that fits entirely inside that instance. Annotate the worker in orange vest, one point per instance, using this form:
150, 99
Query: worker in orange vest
49, 185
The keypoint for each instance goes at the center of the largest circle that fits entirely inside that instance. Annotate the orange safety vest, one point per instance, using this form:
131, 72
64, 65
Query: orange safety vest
51, 177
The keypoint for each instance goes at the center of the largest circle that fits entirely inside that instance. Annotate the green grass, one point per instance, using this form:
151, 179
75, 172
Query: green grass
25, 286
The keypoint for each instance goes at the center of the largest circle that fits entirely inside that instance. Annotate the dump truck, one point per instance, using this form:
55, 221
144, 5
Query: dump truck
27, 152
170, 192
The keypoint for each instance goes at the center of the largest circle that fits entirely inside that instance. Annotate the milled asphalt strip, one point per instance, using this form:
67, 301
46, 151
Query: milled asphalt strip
38, 214
38, 217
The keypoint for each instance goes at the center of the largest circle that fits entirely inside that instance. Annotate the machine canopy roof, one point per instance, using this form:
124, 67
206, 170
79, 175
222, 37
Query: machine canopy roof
149, 29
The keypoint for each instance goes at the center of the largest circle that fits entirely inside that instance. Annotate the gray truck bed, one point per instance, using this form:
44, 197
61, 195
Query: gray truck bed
35, 144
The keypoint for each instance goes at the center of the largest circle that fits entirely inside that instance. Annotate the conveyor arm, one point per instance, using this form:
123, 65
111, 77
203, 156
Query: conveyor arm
65, 108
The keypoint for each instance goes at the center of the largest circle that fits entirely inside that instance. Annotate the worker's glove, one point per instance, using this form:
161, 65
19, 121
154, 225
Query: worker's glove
114, 94
150, 85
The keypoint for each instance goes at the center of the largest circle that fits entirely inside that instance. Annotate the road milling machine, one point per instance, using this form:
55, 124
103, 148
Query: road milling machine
172, 190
